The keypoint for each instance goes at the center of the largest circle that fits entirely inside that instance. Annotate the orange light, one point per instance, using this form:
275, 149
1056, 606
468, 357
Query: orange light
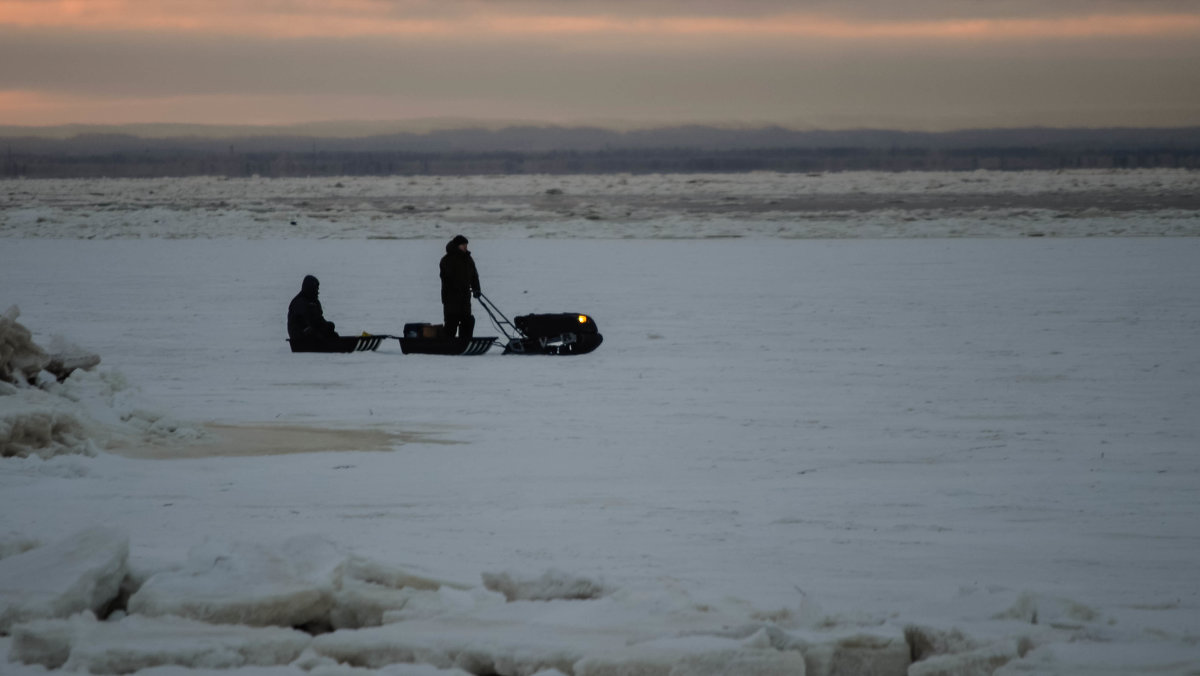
583, 319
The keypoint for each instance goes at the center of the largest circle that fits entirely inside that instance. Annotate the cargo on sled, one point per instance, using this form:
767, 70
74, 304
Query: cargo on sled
561, 333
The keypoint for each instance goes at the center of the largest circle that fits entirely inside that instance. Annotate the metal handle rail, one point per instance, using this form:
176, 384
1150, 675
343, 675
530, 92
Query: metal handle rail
492, 311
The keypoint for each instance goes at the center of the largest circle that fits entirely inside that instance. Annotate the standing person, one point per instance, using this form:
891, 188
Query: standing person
308, 330
460, 281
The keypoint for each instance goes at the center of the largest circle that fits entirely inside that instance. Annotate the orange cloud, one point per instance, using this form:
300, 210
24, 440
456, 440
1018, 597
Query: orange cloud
340, 18
21, 102
792, 25
1024, 29
43, 108
371, 18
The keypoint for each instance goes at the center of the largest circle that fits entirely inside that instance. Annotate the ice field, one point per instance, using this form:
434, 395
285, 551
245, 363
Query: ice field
899, 437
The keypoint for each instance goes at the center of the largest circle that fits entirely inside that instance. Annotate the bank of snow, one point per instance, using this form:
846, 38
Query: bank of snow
54, 402
306, 606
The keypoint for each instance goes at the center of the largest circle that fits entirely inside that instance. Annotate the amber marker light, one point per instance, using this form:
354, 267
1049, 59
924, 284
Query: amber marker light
583, 319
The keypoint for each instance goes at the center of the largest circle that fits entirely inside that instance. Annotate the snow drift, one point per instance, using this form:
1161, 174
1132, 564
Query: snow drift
305, 601
130, 644
54, 402
237, 604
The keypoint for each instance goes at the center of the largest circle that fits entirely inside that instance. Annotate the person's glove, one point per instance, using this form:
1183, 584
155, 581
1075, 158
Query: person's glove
477, 293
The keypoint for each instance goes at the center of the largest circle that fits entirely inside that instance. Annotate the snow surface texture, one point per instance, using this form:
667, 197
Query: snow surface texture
931, 456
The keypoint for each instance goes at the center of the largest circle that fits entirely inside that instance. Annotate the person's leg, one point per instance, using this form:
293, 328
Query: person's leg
450, 320
457, 315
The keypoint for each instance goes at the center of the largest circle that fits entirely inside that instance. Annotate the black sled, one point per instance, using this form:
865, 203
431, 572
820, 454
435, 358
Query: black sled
563, 333
363, 343
429, 339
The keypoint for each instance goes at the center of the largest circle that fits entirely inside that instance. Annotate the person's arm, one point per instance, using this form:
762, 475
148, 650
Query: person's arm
314, 317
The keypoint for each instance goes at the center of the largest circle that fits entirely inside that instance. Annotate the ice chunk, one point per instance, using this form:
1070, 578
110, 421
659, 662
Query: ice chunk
331, 669
741, 663
925, 642
478, 646
553, 584
372, 593
859, 652
1142, 655
312, 664
33, 423
1060, 613
289, 585
624, 633
979, 662
360, 604
481, 646
66, 357
396, 577
425, 604
83, 644
82, 572
305, 581
696, 656
20, 358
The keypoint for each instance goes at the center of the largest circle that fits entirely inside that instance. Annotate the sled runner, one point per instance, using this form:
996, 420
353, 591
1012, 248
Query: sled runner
428, 339
363, 343
563, 333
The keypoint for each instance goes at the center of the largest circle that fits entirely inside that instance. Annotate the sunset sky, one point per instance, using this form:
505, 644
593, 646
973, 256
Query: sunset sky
830, 64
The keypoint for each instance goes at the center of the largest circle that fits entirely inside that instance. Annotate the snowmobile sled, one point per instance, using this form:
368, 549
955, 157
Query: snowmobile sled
430, 339
563, 333
363, 343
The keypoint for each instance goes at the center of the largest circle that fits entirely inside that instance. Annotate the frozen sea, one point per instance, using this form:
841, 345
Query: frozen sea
838, 423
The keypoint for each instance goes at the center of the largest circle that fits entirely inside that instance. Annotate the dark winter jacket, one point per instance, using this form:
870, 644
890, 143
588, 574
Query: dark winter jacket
459, 277
305, 319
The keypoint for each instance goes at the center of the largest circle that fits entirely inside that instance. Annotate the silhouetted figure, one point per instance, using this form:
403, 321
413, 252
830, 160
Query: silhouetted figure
460, 281
308, 330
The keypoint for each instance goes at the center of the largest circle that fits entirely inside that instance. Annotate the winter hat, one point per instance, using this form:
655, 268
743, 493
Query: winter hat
458, 239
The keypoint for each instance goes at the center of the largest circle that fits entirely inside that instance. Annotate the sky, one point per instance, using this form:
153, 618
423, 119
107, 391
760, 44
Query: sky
925, 65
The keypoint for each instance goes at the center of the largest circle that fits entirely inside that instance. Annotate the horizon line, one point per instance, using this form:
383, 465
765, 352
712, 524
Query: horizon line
349, 129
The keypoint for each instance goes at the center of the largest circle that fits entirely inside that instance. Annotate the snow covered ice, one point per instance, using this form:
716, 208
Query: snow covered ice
81, 573
900, 435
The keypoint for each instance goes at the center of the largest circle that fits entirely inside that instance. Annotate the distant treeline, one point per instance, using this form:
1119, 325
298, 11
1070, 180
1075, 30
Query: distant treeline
287, 164
563, 151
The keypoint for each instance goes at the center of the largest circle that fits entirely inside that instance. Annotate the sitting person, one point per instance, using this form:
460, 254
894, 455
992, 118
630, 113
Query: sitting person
308, 330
